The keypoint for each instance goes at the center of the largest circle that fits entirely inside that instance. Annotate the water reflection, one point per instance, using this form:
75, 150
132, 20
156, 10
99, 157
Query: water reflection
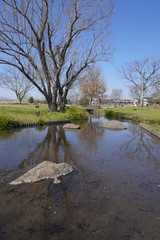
8, 134
52, 145
112, 192
90, 135
16, 145
141, 147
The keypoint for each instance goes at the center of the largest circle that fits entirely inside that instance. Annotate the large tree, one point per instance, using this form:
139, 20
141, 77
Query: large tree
92, 84
143, 74
52, 41
16, 82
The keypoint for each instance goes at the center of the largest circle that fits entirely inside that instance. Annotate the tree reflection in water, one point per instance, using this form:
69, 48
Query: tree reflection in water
141, 147
44, 198
90, 135
112, 192
54, 147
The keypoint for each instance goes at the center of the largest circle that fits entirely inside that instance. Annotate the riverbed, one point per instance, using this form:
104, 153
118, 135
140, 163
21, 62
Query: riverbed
113, 192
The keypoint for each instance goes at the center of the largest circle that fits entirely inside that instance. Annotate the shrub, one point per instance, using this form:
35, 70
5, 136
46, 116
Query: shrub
110, 114
41, 122
77, 113
31, 100
6, 123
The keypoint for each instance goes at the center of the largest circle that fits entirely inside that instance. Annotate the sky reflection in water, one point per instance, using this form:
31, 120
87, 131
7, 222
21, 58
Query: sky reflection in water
111, 194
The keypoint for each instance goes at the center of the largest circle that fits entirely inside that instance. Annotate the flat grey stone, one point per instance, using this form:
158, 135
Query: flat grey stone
71, 126
42, 171
114, 124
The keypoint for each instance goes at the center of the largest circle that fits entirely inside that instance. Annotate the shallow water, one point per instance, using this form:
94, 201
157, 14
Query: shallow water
111, 194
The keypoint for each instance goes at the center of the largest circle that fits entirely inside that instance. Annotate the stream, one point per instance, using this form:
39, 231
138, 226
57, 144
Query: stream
113, 192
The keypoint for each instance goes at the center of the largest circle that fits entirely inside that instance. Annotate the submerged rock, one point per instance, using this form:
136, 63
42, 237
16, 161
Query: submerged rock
71, 126
114, 124
42, 171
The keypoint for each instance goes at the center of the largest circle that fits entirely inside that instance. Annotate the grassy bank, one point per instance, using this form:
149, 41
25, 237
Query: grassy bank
147, 115
13, 115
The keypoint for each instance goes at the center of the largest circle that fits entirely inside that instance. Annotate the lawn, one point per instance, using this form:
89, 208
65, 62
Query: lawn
26, 113
148, 115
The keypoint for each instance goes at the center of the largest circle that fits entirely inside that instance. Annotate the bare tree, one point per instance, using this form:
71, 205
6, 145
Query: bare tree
143, 74
16, 82
92, 84
116, 94
73, 96
52, 42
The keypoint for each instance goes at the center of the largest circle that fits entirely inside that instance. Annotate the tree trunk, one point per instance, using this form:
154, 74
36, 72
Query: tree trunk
62, 99
141, 98
142, 91
52, 105
62, 103
52, 100
19, 97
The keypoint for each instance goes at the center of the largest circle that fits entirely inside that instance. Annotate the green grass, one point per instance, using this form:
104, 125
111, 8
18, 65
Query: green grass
13, 115
148, 115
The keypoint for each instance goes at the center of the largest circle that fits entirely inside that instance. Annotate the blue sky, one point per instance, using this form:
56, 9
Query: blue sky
135, 35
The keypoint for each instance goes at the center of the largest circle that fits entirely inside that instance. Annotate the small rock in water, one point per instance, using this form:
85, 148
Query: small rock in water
42, 171
115, 125
71, 126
